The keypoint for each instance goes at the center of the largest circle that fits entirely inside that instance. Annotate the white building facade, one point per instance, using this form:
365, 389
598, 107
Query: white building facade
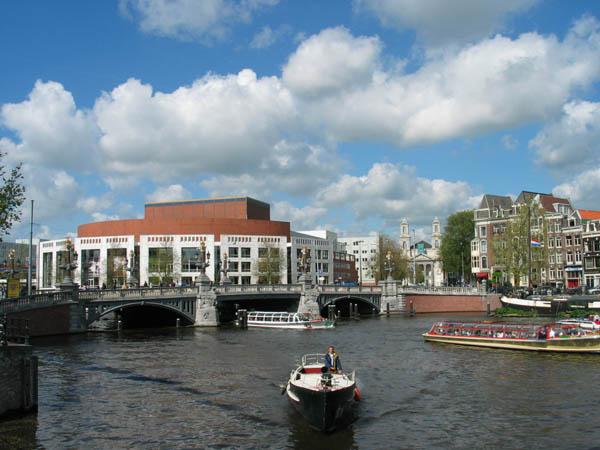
365, 250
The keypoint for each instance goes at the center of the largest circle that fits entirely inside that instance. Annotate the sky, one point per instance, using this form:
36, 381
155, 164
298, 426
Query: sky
344, 115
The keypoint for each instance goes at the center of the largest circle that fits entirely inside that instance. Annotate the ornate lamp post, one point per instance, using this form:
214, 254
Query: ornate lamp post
11, 257
389, 265
132, 269
224, 269
70, 265
202, 258
304, 266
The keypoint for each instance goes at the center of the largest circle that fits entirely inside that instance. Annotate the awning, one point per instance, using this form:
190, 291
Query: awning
482, 275
573, 269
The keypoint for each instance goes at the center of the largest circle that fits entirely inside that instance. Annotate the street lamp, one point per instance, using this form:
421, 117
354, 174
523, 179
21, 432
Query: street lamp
389, 265
70, 265
203, 257
224, 269
11, 257
360, 274
414, 250
132, 269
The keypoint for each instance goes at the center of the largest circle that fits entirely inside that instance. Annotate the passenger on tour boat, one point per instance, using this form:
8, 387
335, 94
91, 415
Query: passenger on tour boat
332, 361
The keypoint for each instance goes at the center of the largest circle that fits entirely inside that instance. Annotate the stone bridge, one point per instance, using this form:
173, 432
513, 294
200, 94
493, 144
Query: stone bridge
210, 305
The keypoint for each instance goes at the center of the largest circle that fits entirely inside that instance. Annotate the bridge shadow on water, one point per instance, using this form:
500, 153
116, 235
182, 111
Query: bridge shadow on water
135, 317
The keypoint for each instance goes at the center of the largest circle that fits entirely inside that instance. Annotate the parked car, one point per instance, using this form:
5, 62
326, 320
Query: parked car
593, 291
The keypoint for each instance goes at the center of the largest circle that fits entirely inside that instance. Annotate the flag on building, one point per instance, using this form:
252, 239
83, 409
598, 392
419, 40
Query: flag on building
535, 243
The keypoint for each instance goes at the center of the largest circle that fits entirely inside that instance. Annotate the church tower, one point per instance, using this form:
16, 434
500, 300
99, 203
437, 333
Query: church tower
405, 236
436, 234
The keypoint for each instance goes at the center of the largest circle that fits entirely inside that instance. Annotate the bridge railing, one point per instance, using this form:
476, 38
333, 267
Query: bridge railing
108, 294
36, 300
440, 290
351, 289
257, 288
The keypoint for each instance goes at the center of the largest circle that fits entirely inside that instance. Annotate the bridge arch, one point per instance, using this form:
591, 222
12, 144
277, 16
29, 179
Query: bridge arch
366, 305
95, 312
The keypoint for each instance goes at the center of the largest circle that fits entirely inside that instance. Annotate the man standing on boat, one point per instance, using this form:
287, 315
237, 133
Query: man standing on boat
332, 361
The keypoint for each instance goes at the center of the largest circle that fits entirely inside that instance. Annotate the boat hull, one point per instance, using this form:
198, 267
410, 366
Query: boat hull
542, 307
324, 410
294, 326
566, 345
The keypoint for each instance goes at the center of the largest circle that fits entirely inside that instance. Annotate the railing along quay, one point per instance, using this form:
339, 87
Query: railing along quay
257, 288
36, 300
13, 330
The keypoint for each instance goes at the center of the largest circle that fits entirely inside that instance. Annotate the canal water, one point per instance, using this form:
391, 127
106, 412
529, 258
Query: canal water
220, 388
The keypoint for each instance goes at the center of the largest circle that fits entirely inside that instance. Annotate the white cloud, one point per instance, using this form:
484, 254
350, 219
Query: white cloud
169, 193
489, 86
217, 125
294, 168
582, 190
189, 19
56, 193
267, 36
331, 62
573, 141
304, 218
51, 130
441, 22
391, 192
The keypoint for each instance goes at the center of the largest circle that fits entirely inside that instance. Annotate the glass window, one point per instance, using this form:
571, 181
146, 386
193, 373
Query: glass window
274, 252
484, 262
245, 266
577, 239
325, 254
246, 280
559, 258
262, 252
233, 266
482, 231
558, 242
245, 252
568, 241
233, 252
483, 246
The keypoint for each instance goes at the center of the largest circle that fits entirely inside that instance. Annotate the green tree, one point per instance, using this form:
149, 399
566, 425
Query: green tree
511, 245
12, 196
269, 265
399, 260
163, 264
456, 243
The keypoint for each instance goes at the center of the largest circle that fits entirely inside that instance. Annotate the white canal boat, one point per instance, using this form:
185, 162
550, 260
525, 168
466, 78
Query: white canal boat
288, 320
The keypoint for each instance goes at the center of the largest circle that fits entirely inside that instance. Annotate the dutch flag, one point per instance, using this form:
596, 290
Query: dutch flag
535, 243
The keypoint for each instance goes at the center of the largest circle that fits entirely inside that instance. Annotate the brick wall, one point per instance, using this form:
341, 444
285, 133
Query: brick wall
452, 303
18, 379
55, 319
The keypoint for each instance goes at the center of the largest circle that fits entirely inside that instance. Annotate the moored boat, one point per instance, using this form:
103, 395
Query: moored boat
288, 320
324, 399
544, 306
553, 337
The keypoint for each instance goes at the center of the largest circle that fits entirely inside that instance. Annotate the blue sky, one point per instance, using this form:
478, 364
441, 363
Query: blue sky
346, 115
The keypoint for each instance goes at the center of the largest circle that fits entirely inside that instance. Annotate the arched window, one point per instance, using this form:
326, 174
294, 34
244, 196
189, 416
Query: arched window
437, 244
483, 246
404, 246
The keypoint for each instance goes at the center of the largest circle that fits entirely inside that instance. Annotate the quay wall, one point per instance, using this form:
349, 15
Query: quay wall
52, 320
451, 303
18, 379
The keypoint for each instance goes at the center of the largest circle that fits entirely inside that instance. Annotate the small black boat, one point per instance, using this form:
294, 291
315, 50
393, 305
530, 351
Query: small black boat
324, 399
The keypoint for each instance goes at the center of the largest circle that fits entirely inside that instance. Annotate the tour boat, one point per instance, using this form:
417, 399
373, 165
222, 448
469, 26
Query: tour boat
542, 305
324, 399
296, 321
589, 323
553, 337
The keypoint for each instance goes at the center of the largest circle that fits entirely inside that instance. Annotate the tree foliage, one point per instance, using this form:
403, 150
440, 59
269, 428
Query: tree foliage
511, 245
269, 265
455, 250
399, 260
12, 196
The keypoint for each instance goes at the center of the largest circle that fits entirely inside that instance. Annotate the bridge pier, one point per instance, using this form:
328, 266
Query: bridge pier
392, 300
309, 300
207, 314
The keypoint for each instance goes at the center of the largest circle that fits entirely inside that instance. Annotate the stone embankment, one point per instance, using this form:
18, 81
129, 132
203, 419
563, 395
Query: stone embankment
18, 379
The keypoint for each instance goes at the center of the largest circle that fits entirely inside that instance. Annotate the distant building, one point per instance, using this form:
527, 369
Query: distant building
365, 251
423, 256
320, 245
344, 268
591, 247
559, 225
